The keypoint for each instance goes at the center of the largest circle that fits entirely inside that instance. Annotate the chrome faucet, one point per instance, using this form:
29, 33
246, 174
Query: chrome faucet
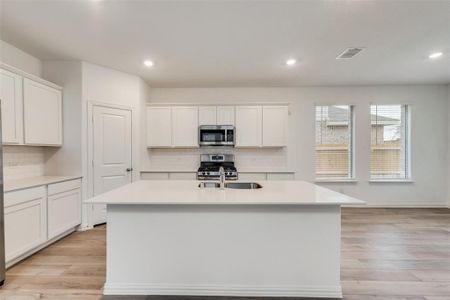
222, 177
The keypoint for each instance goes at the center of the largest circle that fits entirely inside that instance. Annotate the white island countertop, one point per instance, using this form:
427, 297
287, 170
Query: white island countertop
156, 192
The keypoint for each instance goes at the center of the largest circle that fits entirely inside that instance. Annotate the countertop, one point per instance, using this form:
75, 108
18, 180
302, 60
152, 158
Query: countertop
187, 192
23, 183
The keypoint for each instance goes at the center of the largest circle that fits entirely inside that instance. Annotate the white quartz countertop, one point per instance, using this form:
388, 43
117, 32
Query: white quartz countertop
23, 183
188, 192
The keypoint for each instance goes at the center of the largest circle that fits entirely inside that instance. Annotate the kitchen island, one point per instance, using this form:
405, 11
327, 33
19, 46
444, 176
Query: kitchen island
174, 238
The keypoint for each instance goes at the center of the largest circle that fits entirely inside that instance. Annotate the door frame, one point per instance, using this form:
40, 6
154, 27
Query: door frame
90, 149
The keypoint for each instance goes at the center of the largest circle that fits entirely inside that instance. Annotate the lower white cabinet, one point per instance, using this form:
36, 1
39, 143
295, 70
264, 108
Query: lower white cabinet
25, 221
35, 216
64, 207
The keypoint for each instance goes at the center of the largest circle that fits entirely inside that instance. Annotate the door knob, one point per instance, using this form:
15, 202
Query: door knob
129, 169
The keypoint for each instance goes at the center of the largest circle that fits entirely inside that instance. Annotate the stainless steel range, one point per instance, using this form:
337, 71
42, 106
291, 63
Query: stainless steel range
210, 167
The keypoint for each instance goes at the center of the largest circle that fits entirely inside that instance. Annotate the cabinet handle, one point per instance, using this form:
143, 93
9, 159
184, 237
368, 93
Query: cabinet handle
129, 169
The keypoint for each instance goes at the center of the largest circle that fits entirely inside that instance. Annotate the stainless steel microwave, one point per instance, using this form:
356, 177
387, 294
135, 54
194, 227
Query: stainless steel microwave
216, 135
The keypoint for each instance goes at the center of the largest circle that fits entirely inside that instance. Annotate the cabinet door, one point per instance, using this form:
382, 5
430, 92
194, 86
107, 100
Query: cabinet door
64, 212
25, 221
207, 115
12, 107
185, 126
225, 115
248, 126
159, 127
275, 126
42, 114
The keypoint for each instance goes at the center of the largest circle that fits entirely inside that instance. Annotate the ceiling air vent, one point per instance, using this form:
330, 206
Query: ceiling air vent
349, 53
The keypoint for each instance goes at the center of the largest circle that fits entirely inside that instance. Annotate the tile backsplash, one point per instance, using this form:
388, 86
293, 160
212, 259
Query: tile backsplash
189, 159
23, 161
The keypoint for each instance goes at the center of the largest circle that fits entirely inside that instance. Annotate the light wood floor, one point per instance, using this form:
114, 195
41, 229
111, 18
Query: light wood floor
388, 254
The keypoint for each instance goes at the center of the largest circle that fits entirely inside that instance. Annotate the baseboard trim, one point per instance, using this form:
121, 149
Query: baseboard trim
223, 290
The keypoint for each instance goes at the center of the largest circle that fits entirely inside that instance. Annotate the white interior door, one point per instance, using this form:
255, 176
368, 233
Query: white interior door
111, 153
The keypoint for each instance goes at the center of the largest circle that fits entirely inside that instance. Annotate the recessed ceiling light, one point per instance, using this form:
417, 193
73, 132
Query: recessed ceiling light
291, 62
435, 55
148, 63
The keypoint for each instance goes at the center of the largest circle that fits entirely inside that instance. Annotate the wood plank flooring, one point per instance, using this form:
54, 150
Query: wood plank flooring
388, 254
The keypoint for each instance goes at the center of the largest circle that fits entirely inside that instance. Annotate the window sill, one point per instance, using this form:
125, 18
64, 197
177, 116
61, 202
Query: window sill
407, 180
334, 180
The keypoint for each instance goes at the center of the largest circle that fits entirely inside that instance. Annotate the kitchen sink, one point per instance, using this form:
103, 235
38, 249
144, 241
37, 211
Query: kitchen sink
243, 185
231, 185
204, 185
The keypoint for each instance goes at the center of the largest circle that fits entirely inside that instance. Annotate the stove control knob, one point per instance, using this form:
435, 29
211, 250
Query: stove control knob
207, 173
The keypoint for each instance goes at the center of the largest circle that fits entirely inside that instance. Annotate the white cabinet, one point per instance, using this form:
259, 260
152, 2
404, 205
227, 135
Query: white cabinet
185, 126
159, 127
256, 125
11, 105
42, 114
64, 207
207, 115
274, 128
216, 115
225, 115
25, 221
248, 126
175, 127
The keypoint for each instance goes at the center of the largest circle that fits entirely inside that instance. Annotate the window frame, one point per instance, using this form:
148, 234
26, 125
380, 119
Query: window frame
408, 145
351, 146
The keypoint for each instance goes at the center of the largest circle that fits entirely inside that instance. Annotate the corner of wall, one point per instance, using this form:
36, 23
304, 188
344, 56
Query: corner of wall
20, 59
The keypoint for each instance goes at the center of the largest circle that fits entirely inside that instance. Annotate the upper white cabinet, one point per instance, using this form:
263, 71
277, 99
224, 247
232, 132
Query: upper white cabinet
274, 126
249, 126
42, 114
159, 127
169, 127
216, 115
207, 115
225, 115
11, 106
185, 126
31, 109
256, 125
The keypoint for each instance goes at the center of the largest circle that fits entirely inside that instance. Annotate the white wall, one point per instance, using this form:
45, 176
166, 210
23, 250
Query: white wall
429, 136
20, 59
66, 160
108, 86
448, 157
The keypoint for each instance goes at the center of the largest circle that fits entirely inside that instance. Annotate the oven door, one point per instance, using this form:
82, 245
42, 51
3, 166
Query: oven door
212, 136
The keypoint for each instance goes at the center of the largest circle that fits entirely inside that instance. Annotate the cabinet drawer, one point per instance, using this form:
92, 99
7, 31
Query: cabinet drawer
64, 186
22, 196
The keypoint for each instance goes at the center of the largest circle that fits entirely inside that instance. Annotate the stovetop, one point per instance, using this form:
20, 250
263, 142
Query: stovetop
210, 167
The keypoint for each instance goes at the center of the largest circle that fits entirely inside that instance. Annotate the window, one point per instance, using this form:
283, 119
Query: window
389, 142
334, 142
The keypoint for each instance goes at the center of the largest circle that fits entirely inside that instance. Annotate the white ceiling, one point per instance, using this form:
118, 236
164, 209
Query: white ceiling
240, 43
